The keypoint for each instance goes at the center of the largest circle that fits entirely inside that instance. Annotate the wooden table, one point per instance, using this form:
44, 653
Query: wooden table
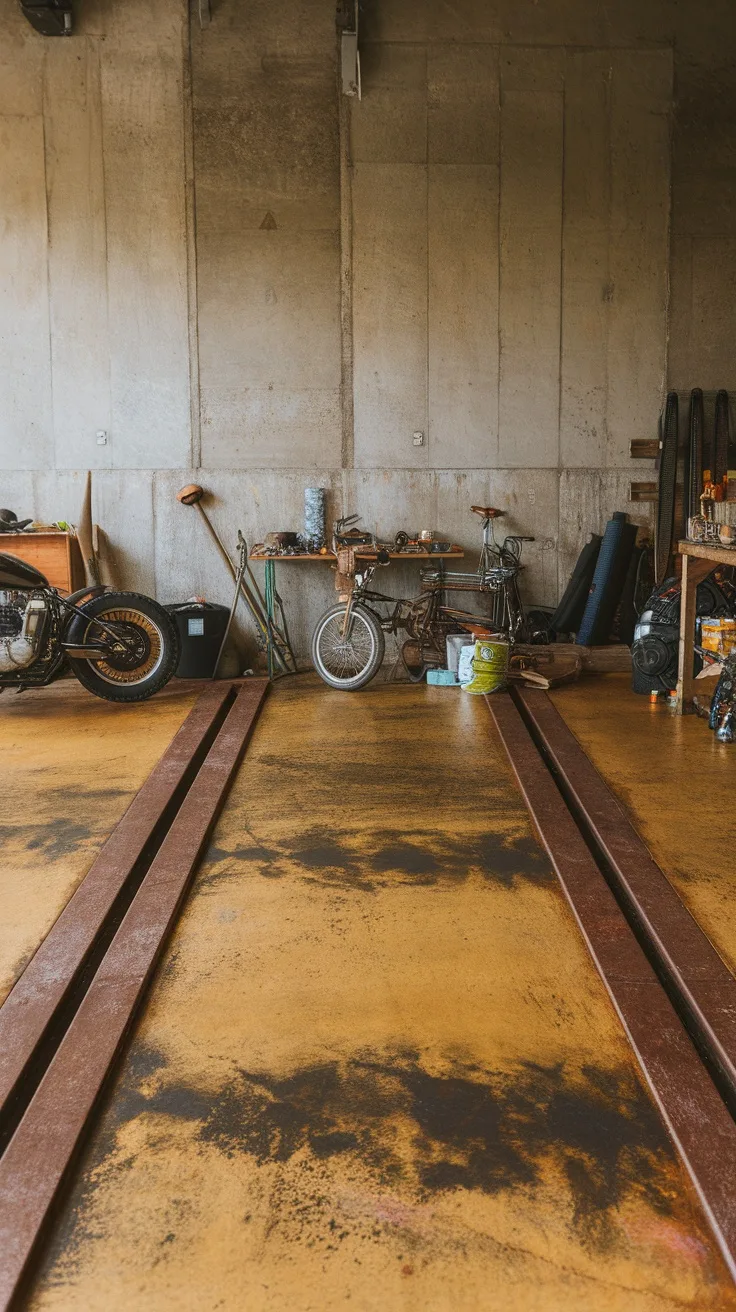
344, 583
367, 554
699, 559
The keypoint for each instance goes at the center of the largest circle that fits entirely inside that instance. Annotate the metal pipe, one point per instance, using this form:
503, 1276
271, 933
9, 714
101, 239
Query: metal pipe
241, 569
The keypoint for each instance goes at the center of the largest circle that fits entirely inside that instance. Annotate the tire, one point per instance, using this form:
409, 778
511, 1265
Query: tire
117, 681
364, 648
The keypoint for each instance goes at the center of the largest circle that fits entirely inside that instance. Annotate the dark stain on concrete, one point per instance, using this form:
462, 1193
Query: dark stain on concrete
52, 839
407, 857
466, 1128
384, 857
72, 795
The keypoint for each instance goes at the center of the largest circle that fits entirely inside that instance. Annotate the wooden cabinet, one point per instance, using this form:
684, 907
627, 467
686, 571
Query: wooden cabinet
55, 554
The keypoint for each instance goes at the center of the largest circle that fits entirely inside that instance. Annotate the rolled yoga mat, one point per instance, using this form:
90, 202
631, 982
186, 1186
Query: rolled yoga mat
569, 614
314, 517
608, 581
667, 488
695, 458
720, 438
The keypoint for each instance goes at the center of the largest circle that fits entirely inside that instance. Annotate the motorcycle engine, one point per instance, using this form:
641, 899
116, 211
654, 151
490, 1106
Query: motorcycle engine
22, 621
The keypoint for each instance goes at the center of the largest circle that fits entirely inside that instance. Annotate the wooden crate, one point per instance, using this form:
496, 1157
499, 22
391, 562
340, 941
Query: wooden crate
55, 554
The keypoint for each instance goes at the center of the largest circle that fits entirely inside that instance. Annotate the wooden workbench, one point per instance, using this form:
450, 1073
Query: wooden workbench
699, 559
344, 583
367, 554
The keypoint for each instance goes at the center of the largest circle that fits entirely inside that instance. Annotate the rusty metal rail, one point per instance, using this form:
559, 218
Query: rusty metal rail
55, 1087
697, 978
65, 1023
690, 1102
32, 1016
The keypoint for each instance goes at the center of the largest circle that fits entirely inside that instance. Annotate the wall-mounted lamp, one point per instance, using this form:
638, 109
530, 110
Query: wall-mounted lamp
347, 25
49, 17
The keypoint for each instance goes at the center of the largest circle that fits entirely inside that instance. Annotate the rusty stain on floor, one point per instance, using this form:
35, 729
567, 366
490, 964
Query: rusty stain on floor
71, 766
377, 1068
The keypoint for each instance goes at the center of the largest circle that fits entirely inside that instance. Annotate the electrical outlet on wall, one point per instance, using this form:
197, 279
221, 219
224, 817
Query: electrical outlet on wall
101, 437
418, 438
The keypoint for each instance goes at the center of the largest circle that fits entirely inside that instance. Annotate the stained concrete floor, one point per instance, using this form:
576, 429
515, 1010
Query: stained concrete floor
377, 1068
71, 765
677, 783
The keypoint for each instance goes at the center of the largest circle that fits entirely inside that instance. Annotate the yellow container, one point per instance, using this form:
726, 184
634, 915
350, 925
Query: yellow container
490, 666
718, 636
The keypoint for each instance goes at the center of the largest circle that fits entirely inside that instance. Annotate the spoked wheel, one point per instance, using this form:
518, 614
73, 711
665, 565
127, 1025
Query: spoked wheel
347, 660
151, 648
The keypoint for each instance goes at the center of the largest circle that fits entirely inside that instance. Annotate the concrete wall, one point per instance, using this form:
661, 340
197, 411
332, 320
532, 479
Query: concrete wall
246, 280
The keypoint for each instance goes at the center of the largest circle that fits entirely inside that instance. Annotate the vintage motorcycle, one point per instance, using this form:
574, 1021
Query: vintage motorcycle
120, 645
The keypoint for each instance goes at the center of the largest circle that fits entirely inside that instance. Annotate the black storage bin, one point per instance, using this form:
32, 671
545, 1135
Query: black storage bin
201, 626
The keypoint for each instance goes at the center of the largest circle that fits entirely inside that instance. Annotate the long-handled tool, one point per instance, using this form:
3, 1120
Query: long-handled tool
269, 633
243, 557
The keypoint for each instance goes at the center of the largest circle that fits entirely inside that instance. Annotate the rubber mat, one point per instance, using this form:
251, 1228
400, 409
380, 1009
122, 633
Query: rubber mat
608, 581
667, 488
720, 438
695, 451
568, 616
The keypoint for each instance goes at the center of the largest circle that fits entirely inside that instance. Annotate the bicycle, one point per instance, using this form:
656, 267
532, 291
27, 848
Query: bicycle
348, 644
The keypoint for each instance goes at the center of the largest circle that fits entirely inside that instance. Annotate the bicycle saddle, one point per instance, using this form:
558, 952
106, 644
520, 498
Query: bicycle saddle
488, 512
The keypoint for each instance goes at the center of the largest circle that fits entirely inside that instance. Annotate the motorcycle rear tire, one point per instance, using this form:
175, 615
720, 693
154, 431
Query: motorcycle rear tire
128, 688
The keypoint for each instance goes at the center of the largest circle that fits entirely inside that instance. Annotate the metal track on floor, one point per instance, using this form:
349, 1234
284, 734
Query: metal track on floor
64, 1023
675, 997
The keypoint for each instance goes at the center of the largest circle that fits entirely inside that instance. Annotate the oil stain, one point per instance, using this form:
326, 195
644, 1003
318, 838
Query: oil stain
385, 857
73, 795
53, 839
464, 1128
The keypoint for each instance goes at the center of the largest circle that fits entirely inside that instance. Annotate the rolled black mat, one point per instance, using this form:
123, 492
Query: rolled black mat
720, 438
608, 581
695, 463
568, 616
665, 522
638, 576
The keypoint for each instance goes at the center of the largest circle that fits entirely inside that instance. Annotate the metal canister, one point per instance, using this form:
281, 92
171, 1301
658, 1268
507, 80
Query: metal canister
490, 666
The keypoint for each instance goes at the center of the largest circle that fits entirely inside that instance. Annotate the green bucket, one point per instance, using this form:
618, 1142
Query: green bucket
490, 666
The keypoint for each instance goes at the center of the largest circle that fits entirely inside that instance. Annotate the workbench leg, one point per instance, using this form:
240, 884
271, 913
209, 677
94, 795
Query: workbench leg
694, 571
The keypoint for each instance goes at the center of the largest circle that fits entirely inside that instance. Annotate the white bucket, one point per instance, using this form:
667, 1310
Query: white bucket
455, 644
465, 664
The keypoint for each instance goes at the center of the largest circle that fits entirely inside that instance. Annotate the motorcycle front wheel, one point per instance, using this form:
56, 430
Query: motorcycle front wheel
152, 642
350, 660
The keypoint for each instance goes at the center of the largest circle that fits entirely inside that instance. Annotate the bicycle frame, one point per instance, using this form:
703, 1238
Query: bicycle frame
427, 619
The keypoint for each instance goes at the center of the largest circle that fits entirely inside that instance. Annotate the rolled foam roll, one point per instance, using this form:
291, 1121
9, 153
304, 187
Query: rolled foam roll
314, 516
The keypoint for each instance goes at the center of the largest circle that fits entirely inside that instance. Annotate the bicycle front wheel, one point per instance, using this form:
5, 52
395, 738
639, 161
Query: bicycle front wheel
349, 660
